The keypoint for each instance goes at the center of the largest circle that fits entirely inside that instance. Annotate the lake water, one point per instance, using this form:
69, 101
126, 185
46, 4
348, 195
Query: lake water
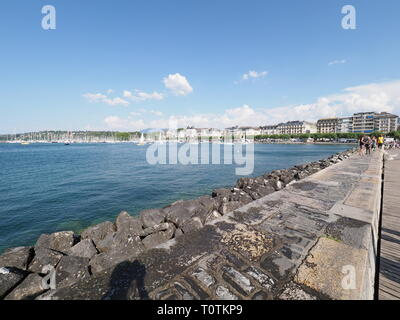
46, 188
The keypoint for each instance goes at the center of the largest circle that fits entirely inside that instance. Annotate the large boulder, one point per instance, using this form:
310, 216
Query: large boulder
192, 225
70, 270
104, 261
158, 238
244, 182
223, 195
117, 248
159, 227
241, 196
276, 183
9, 279
116, 255
258, 191
58, 241
44, 257
29, 289
287, 176
19, 257
208, 203
179, 212
154, 240
212, 216
301, 175
99, 231
229, 207
128, 224
83, 249
152, 217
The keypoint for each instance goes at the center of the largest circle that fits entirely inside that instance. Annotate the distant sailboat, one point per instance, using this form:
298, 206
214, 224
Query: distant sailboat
141, 141
160, 141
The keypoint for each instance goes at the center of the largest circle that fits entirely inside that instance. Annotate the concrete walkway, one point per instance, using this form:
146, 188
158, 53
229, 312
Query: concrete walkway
389, 271
315, 239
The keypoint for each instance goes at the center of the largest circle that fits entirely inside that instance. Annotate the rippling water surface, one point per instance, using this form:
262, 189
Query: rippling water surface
51, 187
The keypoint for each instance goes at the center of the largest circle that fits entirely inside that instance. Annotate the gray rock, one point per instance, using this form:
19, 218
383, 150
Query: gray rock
192, 225
178, 232
276, 184
259, 191
152, 217
58, 241
159, 227
301, 175
84, 249
208, 203
19, 257
70, 270
29, 289
129, 225
107, 243
241, 196
182, 211
229, 207
287, 176
98, 232
9, 279
156, 239
244, 182
120, 249
212, 216
44, 257
223, 193
105, 261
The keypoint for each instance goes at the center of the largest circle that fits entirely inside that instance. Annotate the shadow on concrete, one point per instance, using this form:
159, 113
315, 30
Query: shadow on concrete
127, 282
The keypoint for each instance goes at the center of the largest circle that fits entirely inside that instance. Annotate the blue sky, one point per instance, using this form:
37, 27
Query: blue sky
127, 65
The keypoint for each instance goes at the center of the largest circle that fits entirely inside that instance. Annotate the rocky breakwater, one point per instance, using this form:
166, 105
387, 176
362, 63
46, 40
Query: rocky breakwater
103, 246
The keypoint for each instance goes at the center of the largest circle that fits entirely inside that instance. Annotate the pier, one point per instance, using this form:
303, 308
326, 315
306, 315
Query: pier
330, 233
315, 239
389, 260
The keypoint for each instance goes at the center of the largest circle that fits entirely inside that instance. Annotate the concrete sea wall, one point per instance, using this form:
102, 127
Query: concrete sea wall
289, 234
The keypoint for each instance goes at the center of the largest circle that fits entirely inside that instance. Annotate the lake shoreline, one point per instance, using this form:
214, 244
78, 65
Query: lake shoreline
102, 246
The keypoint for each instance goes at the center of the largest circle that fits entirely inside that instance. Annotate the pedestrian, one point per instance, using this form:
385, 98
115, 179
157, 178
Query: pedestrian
381, 140
367, 144
361, 142
374, 143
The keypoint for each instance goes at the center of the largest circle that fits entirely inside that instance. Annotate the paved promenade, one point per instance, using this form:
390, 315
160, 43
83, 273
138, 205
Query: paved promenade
389, 271
315, 239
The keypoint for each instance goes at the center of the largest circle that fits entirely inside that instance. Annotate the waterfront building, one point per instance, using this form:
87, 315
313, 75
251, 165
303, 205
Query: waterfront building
363, 122
297, 127
385, 122
329, 125
269, 130
345, 125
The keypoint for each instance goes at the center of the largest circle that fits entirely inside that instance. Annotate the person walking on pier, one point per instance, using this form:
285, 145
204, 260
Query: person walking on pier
361, 142
374, 143
368, 144
381, 140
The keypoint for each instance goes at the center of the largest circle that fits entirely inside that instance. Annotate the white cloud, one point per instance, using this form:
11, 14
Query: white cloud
99, 97
337, 62
156, 113
94, 97
177, 84
371, 97
254, 75
142, 96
